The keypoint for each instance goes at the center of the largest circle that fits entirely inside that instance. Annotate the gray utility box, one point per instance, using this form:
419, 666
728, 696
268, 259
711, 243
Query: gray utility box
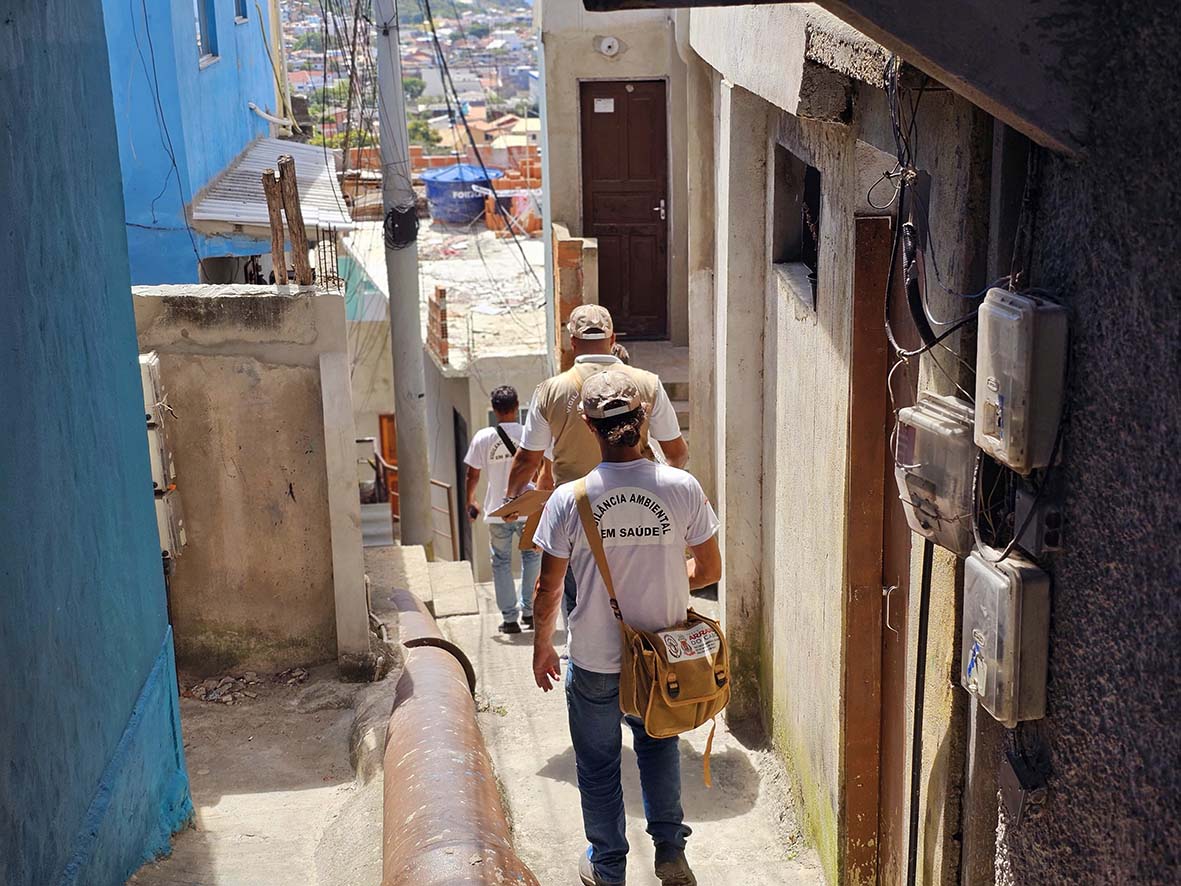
1006, 635
933, 460
1020, 373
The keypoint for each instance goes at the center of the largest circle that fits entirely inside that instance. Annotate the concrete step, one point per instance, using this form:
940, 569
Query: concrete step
676, 390
681, 407
453, 588
398, 566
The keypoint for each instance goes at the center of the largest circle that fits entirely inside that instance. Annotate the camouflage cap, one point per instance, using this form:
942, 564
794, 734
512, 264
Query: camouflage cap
590, 322
609, 393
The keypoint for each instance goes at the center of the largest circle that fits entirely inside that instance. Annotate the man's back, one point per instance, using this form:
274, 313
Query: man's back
574, 447
488, 453
647, 515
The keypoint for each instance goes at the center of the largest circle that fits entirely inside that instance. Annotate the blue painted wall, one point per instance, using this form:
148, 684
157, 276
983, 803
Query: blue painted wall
201, 118
92, 777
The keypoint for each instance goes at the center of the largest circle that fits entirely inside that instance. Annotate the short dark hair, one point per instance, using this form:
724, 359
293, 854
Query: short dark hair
504, 399
621, 430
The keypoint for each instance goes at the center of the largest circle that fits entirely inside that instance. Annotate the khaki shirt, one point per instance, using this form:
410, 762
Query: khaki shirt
576, 451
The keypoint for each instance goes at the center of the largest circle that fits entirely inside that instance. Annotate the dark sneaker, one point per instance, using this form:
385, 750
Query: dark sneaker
510, 627
527, 621
672, 868
586, 873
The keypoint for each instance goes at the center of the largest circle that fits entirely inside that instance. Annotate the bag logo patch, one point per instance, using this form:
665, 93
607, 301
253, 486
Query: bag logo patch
701, 641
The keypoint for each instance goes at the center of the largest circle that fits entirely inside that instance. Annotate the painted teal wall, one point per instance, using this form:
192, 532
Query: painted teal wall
92, 777
201, 118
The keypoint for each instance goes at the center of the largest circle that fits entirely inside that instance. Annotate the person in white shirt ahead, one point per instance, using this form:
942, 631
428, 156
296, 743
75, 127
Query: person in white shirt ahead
554, 429
491, 451
647, 514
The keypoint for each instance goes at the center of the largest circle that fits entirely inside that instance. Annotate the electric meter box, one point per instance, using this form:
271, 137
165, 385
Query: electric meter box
1020, 373
933, 461
1006, 635
163, 470
170, 524
153, 388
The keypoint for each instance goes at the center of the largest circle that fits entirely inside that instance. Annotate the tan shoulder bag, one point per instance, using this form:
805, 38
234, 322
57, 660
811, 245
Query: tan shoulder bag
675, 679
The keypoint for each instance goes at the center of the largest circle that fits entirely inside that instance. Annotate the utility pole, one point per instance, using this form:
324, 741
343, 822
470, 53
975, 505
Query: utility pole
414, 489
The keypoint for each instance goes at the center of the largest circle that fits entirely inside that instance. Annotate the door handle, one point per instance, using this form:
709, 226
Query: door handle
660, 209
886, 592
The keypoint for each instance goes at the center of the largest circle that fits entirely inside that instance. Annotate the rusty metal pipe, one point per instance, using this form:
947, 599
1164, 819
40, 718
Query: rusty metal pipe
417, 627
443, 821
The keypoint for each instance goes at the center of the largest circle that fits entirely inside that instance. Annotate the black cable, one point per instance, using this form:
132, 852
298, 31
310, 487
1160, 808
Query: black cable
914, 294
916, 739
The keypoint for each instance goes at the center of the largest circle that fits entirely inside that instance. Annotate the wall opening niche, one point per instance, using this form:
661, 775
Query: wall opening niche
795, 246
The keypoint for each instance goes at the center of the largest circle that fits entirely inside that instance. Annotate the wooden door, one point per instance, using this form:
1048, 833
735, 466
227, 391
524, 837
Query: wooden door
865, 495
388, 442
896, 540
625, 200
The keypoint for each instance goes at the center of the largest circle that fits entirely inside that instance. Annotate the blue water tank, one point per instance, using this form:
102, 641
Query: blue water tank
449, 191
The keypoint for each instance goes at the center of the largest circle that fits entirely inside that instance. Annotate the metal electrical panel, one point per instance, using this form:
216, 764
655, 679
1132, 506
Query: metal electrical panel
1006, 633
1020, 374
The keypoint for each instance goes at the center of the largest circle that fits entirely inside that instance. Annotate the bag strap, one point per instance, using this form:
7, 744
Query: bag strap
506, 440
595, 540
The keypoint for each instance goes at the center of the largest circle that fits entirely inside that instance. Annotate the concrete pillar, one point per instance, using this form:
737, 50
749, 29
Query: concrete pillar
739, 315
414, 473
344, 510
702, 128
575, 282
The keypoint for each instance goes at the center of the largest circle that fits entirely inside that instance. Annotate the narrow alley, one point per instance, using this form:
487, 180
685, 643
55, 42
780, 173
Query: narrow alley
745, 828
816, 362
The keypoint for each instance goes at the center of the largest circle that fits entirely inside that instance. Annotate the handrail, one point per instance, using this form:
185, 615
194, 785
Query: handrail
388, 469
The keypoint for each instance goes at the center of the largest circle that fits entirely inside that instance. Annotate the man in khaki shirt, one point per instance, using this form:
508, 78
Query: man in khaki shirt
554, 417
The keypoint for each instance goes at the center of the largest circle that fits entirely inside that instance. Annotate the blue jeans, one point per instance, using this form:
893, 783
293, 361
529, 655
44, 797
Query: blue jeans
592, 701
504, 536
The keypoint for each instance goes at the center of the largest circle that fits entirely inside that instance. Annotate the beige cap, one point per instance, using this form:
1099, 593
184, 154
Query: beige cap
609, 393
590, 322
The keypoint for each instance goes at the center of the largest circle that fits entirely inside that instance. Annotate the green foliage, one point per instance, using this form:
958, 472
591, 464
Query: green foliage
410, 12
479, 32
333, 96
311, 40
413, 87
357, 139
421, 133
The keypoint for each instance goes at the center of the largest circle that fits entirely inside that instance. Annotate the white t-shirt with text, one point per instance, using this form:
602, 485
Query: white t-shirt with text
647, 514
488, 454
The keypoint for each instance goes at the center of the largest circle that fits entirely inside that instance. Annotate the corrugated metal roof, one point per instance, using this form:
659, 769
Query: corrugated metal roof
236, 197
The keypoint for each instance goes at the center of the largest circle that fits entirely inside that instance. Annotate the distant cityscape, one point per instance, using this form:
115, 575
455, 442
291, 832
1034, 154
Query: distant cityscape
490, 53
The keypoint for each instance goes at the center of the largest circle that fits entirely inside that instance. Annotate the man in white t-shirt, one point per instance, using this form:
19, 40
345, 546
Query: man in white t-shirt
554, 429
491, 452
647, 514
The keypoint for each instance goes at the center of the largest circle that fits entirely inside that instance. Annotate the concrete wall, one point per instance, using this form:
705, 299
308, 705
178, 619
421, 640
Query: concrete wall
93, 781
266, 470
784, 559
372, 367
1107, 244
648, 51
203, 121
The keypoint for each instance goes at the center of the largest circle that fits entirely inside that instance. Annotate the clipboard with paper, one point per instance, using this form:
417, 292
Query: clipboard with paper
529, 504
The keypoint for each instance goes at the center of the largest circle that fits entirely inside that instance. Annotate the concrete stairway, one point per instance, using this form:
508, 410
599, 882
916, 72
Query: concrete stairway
672, 365
446, 587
